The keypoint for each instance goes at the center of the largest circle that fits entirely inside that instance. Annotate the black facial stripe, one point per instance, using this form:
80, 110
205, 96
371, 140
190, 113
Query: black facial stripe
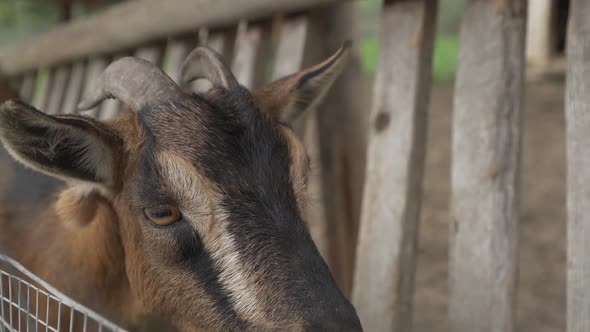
244, 154
152, 189
196, 257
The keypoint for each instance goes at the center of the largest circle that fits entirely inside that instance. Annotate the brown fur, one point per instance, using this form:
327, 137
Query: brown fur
93, 242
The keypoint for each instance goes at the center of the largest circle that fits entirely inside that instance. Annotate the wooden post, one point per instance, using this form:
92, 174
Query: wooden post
42, 85
28, 86
577, 107
384, 278
176, 52
152, 53
289, 59
290, 50
248, 41
74, 88
342, 119
58, 89
485, 167
95, 67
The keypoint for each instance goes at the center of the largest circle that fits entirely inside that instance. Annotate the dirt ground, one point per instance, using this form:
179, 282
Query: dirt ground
541, 288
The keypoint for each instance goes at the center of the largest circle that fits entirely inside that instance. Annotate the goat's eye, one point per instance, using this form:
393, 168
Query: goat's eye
162, 215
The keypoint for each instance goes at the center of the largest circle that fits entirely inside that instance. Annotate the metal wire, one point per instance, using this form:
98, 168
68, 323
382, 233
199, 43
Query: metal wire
42, 308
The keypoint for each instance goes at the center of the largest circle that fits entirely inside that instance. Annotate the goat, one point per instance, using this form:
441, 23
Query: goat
187, 207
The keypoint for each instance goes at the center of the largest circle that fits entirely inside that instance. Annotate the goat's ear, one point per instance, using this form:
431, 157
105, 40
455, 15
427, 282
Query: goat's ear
287, 98
67, 147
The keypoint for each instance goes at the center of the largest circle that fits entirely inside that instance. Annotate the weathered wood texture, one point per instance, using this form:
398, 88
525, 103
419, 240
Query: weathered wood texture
249, 43
577, 106
95, 67
41, 90
58, 89
133, 23
223, 42
176, 52
290, 50
289, 58
151, 53
384, 279
485, 167
74, 88
28, 86
342, 119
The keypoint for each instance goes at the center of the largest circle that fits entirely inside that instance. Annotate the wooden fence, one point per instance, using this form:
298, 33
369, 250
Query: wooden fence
269, 38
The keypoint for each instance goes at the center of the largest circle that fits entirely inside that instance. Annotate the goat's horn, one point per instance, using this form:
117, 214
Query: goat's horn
135, 82
204, 62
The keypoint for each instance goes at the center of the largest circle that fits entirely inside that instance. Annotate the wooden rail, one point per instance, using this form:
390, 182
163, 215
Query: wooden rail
577, 111
130, 24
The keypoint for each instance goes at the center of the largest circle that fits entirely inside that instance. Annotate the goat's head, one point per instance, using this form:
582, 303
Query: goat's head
208, 190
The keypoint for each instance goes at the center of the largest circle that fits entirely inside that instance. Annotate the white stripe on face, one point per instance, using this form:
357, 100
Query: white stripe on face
199, 202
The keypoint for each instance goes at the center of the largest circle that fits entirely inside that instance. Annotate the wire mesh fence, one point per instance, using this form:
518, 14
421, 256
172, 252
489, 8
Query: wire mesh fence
33, 305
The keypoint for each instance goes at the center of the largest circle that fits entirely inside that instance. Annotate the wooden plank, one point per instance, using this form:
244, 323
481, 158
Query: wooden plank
74, 89
342, 129
577, 111
28, 86
263, 68
486, 164
95, 67
132, 23
176, 52
152, 54
248, 40
58, 89
41, 90
386, 258
223, 43
203, 36
289, 59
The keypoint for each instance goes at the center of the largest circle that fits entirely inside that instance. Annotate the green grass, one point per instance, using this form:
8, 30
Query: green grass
445, 58
444, 62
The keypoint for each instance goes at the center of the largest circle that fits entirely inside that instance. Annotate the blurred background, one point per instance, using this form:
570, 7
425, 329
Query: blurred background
541, 297
24, 18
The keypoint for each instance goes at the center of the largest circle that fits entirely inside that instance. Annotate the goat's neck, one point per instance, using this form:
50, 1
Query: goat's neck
73, 242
